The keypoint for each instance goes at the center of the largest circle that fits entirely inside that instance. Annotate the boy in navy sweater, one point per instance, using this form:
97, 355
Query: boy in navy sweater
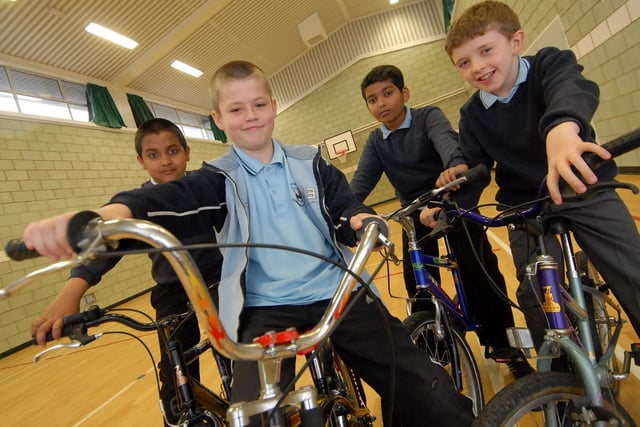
531, 117
413, 146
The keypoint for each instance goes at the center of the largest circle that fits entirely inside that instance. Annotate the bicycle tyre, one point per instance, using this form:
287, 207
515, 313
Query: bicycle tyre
421, 325
600, 325
522, 402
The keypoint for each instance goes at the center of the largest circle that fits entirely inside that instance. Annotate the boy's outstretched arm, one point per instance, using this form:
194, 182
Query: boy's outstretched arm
49, 236
564, 150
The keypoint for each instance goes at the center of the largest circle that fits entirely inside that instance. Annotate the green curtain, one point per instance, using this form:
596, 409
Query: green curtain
139, 108
218, 134
447, 6
102, 109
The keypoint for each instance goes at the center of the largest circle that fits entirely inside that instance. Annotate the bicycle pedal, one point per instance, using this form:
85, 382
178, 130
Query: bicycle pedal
635, 353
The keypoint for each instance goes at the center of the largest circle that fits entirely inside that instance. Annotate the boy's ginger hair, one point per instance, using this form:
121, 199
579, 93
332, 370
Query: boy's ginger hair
235, 70
480, 18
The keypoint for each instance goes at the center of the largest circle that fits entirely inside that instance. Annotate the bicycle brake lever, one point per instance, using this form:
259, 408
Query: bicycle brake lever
72, 344
598, 186
77, 342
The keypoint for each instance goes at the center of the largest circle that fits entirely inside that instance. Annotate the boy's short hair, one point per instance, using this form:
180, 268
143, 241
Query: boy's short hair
380, 74
235, 70
480, 18
156, 126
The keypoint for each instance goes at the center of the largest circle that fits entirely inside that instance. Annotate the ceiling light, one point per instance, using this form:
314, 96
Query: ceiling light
393, 1
186, 68
110, 35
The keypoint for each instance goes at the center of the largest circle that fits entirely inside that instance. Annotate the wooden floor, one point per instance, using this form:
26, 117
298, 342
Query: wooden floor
111, 381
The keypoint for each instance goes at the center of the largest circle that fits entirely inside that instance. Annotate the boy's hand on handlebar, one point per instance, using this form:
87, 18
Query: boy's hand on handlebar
49, 236
451, 174
428, 217
564, 151
51, 319
356, 222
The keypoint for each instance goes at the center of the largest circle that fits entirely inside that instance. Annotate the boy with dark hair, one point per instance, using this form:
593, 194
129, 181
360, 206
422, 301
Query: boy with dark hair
263, 191
413, 146
531, 117
163, 152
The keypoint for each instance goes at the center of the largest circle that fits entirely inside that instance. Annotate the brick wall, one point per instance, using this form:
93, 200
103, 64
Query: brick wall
49, 167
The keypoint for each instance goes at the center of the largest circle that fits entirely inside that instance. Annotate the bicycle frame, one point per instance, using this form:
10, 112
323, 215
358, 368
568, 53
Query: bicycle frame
560, 336
268, 351
424, 281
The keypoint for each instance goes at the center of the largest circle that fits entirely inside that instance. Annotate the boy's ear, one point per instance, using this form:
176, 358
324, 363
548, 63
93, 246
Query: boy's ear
517, 41
216, 119
187, 150
405, 94
141, 162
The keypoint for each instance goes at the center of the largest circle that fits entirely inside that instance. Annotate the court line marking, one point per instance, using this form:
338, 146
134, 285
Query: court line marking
112, 398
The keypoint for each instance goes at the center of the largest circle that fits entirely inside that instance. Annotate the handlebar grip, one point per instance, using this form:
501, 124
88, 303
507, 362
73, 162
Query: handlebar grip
76, 227
74, 325
382, 225
475, 173
617, 146
17, 251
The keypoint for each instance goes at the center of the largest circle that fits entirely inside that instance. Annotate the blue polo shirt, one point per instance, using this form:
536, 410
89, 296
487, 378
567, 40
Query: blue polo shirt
278, 215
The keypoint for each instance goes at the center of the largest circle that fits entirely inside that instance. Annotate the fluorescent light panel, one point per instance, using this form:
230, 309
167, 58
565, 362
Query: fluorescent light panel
393, 1
111, 36
178, 65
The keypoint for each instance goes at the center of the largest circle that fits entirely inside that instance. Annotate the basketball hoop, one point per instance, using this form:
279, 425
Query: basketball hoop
342, 156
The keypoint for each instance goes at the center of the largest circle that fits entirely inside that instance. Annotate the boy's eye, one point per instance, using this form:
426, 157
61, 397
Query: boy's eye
173, 150
487, 50
152, 155
371, 100
388, 93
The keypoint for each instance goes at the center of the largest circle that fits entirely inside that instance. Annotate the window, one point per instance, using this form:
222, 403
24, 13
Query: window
192, 124
29, 93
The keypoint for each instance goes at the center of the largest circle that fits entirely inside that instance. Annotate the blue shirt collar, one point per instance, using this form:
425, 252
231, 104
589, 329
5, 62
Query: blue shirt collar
254, 166
488, 99
406, 123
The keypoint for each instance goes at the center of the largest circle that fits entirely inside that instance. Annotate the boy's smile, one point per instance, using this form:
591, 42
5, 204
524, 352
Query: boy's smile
490, 61
385, 101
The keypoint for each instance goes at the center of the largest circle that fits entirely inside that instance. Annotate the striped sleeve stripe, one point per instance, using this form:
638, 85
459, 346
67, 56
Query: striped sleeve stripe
186, 213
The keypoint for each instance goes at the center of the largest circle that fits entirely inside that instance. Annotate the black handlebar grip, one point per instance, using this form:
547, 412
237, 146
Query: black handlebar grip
17, 251
382, 225
475, 173
76, 226
617, 146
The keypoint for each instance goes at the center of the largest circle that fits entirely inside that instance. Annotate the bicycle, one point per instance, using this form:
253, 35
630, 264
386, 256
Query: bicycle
441, 332
583, 333
336, 399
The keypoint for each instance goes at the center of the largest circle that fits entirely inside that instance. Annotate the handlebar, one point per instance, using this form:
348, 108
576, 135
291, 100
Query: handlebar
517, 214
98, 234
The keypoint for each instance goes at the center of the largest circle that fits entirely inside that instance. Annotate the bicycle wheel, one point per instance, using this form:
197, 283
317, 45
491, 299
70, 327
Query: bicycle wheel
421, 326
549, 398
602, 324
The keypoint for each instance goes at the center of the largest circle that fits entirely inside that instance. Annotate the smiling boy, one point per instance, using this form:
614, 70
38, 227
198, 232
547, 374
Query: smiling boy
531, 117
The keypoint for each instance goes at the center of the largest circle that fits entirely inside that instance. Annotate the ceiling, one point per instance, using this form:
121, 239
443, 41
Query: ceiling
202, 33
